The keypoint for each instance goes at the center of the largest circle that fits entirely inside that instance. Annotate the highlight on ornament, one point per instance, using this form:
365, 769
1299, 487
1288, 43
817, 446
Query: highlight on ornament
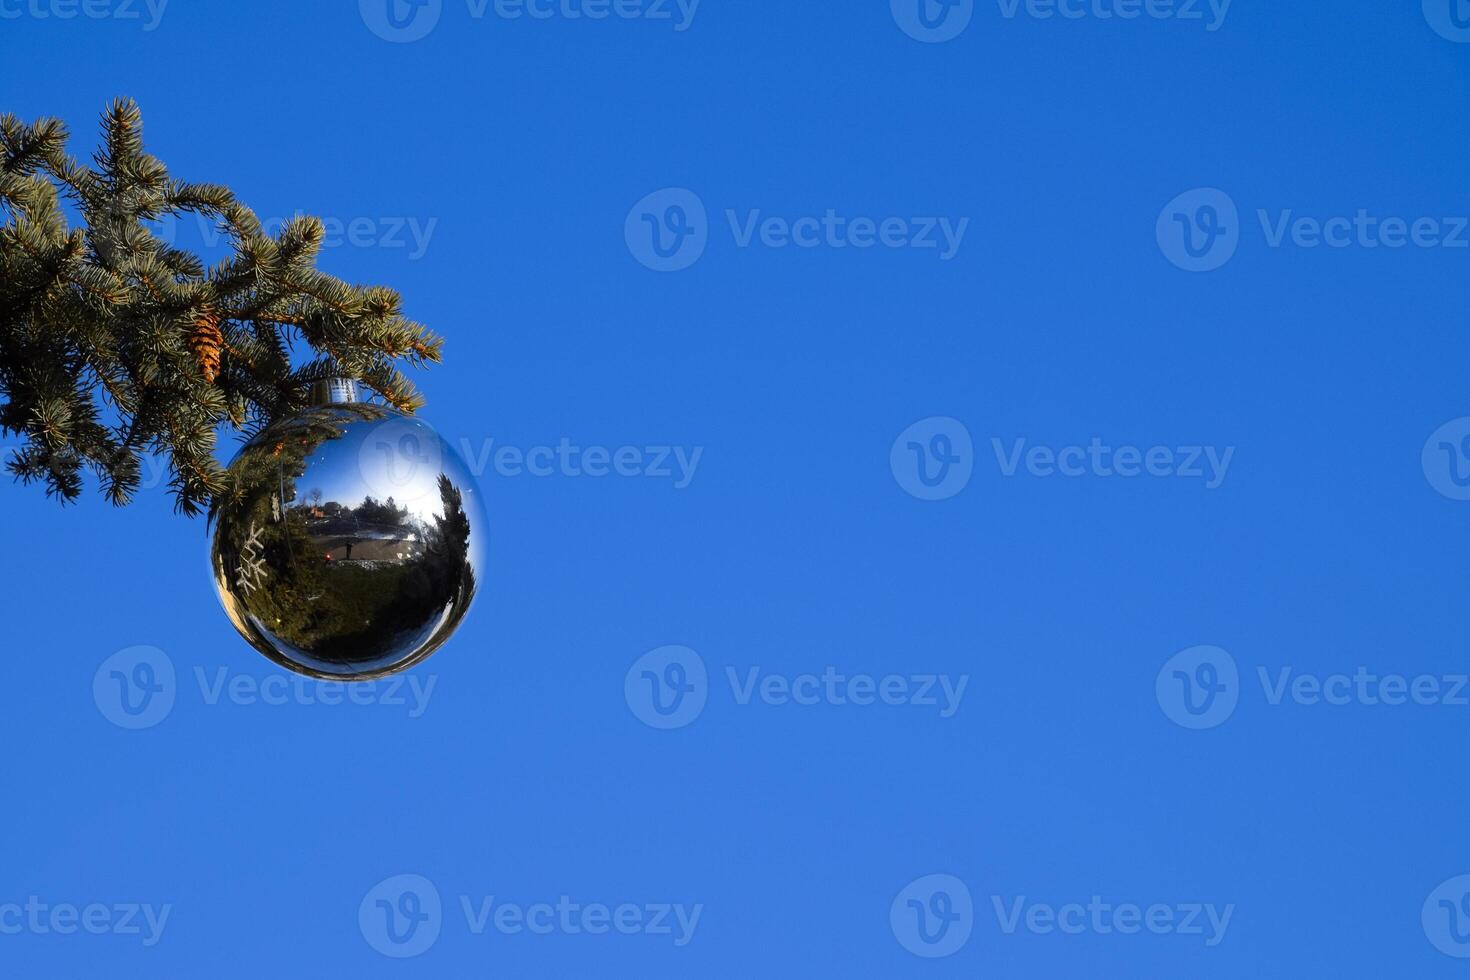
347, 535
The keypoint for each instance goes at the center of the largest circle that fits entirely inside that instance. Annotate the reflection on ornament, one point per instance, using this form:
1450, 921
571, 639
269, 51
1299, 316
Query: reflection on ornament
355, 536
252, 566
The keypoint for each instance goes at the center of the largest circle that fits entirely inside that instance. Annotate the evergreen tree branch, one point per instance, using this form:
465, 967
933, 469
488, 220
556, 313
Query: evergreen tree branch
107, 320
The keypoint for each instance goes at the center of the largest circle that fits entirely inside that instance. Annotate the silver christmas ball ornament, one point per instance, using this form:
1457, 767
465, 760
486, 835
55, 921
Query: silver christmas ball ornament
350, 540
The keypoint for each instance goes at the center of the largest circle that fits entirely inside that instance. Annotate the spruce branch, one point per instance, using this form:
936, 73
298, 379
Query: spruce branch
107, 320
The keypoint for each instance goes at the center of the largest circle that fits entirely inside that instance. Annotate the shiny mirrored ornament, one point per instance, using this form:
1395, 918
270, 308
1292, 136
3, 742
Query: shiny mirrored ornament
350, 540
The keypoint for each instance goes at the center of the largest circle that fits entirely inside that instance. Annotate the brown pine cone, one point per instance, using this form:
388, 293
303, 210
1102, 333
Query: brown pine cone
206, 340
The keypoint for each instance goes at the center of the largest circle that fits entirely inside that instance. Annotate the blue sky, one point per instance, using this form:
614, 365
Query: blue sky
1030, 532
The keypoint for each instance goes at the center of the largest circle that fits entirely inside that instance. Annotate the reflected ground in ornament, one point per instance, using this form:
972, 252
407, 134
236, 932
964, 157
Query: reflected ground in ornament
347, 541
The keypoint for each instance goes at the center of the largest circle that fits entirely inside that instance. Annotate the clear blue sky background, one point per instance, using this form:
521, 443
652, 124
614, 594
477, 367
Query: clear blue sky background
794, 547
